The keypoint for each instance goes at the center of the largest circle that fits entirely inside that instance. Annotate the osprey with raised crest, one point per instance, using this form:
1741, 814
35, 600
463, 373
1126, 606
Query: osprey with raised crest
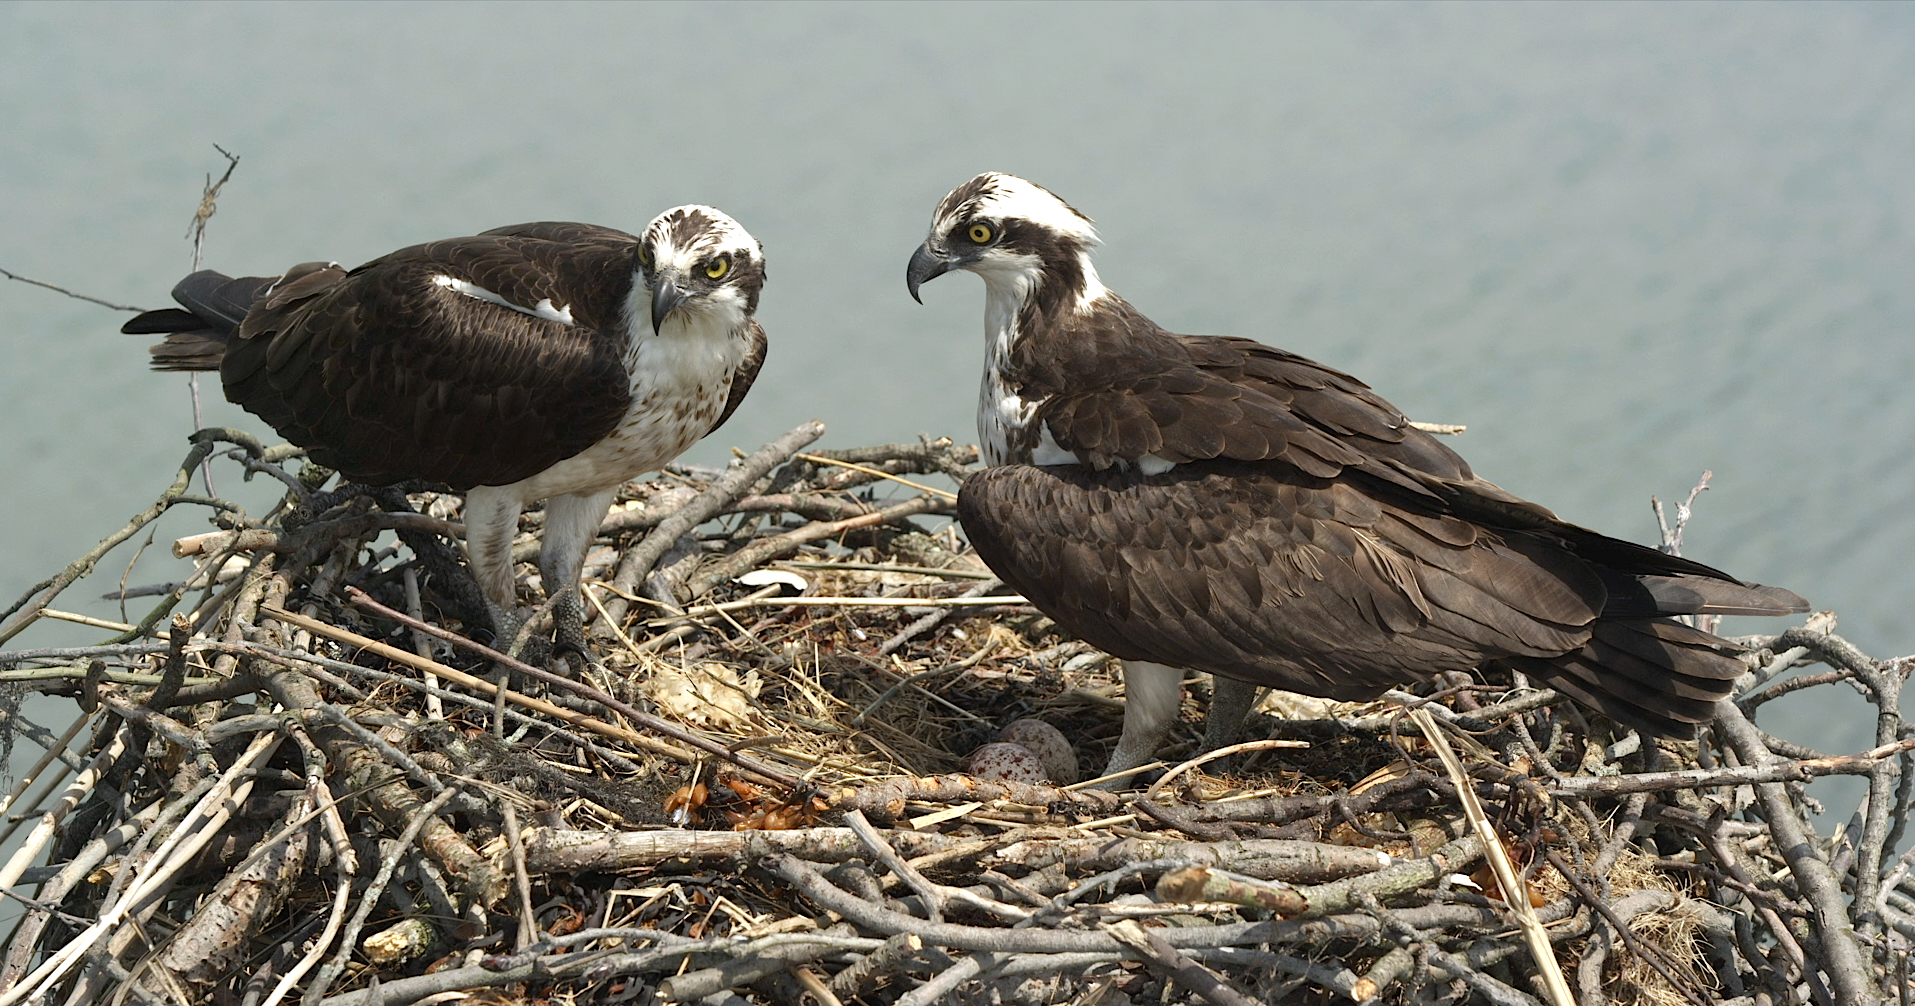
1214, 504
544, 361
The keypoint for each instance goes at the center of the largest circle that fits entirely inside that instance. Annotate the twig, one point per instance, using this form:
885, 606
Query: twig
1210, 756
920, 487
1515, 891
1186, 972
16, 277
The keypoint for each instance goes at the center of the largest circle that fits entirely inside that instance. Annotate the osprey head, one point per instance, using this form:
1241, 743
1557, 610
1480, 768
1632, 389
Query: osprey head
1010, 231
700, 266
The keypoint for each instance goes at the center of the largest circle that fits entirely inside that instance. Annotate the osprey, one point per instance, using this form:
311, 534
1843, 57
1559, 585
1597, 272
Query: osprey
543, 361
1212, 503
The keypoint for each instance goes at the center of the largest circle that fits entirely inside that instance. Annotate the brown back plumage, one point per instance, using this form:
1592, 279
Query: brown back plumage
385, 375
1310, 539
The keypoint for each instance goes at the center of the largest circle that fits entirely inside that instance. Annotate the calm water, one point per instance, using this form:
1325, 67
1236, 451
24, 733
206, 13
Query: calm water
1623, 243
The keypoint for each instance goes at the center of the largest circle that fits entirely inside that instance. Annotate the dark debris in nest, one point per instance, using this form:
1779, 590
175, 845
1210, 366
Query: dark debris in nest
754, 789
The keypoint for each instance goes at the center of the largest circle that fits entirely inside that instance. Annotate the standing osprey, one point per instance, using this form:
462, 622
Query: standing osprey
1211, 503
545, 361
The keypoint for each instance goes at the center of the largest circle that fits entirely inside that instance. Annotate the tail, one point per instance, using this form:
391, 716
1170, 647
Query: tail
196, 337
1649, 671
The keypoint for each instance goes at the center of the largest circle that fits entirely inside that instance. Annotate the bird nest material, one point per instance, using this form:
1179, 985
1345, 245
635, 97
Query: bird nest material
314, 783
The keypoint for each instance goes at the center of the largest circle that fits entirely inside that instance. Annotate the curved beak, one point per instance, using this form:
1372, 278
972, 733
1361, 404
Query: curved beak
926, 263
666, 297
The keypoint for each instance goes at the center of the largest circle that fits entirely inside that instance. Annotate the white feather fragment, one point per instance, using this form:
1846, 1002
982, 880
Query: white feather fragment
761, 577
543, 309
1151, 464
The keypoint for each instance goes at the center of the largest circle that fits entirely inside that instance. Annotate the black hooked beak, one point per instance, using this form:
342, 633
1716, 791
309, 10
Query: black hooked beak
666, 296
926, 263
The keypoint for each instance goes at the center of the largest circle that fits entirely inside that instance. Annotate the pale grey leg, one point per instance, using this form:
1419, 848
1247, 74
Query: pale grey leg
491, 521
1152, 695
1230, 701
571, 523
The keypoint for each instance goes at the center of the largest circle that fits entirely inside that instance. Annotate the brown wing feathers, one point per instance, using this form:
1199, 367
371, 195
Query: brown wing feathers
388, 375
1309, 538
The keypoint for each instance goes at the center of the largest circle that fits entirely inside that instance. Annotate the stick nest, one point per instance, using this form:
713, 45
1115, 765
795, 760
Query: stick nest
307, 772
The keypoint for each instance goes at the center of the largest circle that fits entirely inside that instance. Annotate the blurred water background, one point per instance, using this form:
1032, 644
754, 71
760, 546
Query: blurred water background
1624, 243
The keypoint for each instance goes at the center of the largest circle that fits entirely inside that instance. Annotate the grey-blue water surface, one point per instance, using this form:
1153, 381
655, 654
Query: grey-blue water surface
1624, 243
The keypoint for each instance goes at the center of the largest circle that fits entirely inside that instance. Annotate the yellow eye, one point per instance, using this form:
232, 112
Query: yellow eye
644, 255
981, 234
718, 267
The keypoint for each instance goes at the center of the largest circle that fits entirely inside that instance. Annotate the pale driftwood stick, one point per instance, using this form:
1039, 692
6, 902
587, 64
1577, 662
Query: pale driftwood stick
404, 991
945, 982
1515, 889
1197, 884
421, 643
934, 895
556, 850
888, 798
1849, 971
521, 883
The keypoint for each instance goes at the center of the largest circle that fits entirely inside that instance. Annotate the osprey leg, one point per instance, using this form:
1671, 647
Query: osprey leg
1231, 699
571, 524
1152, 695
491, 521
